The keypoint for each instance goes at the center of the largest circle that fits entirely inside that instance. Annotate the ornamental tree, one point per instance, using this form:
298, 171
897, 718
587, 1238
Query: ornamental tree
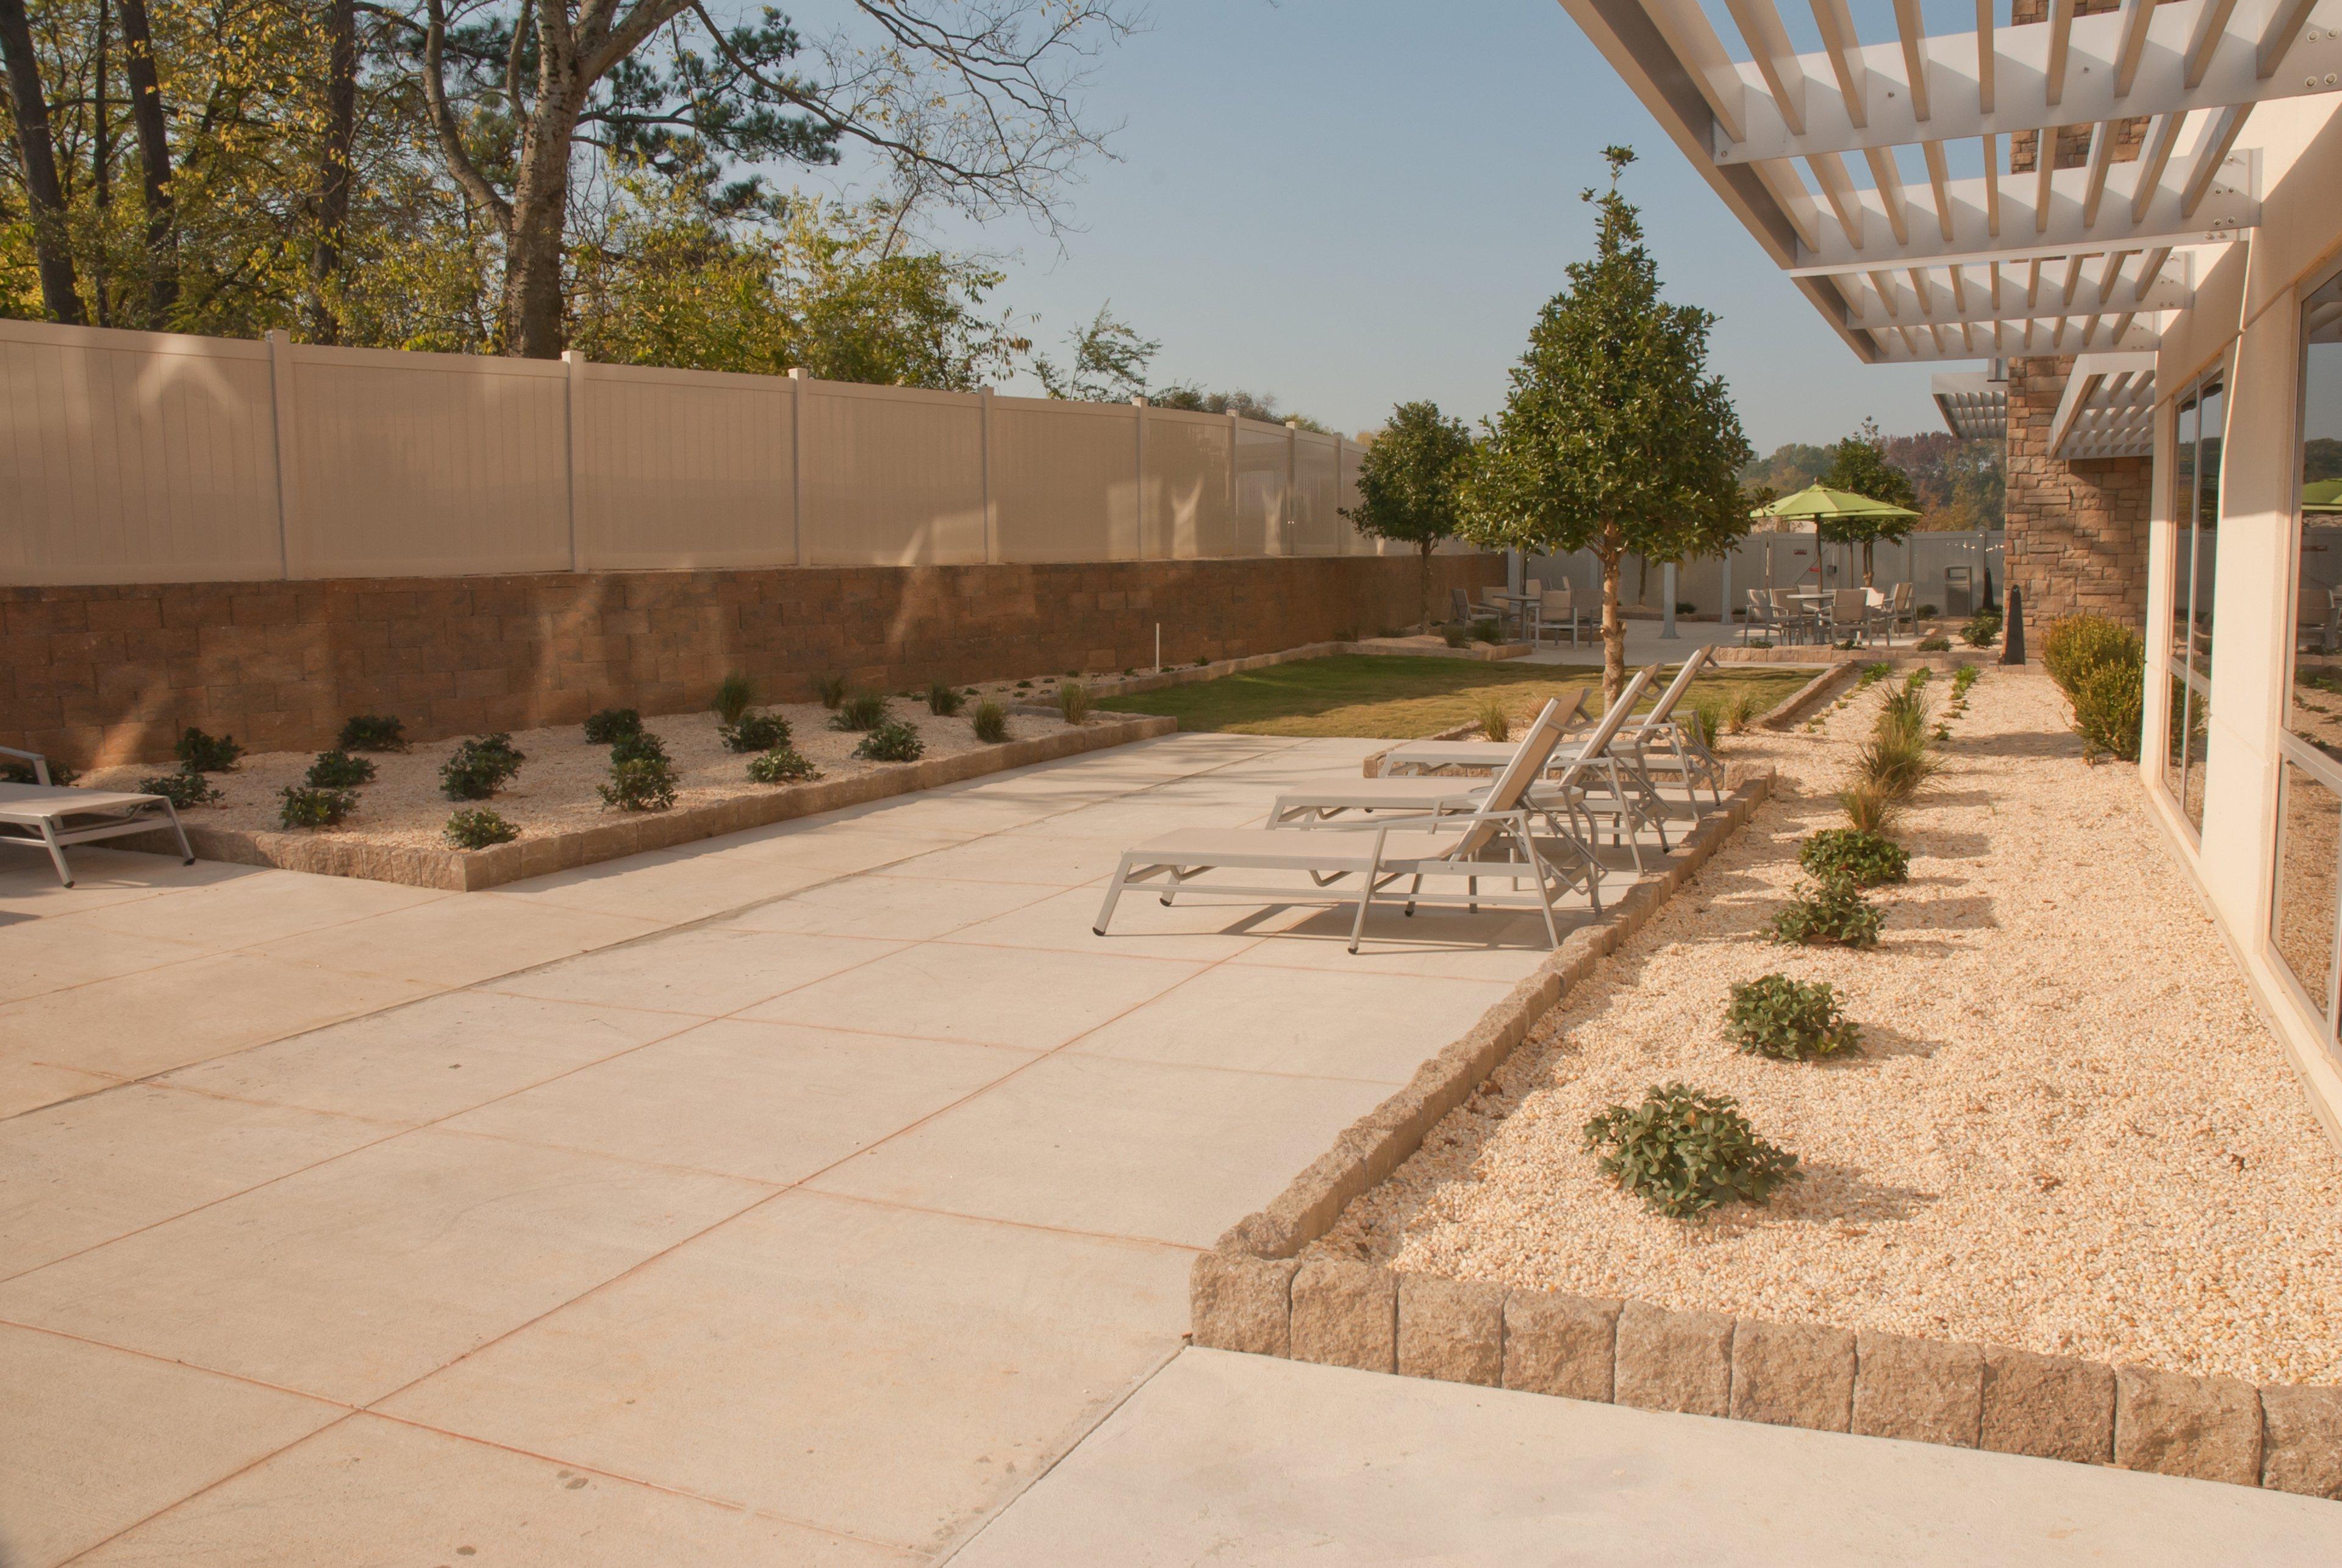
1407, 483
1859, 466
1615, 438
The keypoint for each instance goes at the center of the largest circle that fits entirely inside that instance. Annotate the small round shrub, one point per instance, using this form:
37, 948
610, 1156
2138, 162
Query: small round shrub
2073, 645
20, 770
892, 741
830, 690
337, 769
755, 732
1983, 629
1864, 858
203, 754
1937, 645
782, 764
1790, 1020
1827, 914
1686, 1152
944, 701
611, 725
991, 722
372, 732
479, 767
1962, 679
478, 829
642, 747
642, 783
735, 693
2107, 710
184, 789
314, 808
1487, 632
859, 710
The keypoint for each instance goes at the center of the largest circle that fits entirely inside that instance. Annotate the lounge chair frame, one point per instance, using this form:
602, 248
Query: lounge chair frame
46, 816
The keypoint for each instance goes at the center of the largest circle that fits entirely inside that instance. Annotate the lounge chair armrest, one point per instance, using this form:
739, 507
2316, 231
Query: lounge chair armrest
40, 763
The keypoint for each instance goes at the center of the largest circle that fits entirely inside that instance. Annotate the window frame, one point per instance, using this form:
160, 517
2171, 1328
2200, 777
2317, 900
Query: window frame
2212, 380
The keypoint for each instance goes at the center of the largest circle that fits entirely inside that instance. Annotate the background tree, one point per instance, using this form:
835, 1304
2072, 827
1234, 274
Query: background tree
37, 163
1859, 467
1193, 399
1108, 365
1408, 480
1614, 437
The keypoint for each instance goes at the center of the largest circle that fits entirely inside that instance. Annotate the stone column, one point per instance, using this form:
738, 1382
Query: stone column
2077, 531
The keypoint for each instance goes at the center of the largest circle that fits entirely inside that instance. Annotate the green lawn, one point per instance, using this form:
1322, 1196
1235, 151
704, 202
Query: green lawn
1392, 697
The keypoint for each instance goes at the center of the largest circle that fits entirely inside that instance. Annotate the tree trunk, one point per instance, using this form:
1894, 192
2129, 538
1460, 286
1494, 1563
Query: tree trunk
59, 296
1426, 549
1867, 545
101, 174
1614, 625
540, 217
333, 195
154, 159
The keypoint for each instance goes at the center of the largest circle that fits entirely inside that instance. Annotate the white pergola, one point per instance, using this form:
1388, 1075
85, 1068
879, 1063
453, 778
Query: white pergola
1914, 264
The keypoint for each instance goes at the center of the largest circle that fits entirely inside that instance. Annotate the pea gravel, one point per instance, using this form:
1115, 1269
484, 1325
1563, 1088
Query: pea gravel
2069, 1131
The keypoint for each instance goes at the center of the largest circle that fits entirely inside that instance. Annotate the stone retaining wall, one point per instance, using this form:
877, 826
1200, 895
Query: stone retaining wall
1254, 1293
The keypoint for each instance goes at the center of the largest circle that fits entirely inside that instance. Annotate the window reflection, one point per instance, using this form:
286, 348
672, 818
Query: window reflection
2196, 514
2315, 714
2309, 877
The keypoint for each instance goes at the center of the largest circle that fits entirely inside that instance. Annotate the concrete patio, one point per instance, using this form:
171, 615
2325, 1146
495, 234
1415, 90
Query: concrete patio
793, 1197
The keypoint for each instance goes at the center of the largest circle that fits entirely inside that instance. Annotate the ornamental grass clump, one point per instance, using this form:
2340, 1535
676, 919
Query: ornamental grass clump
479, 767
735, 693
1827, 914
1075, 703
991, 723
314, 808
478, 829
337, 769
184, 788
1790, 1020
1495, 722
372, 732
945, 700
782, 764
1706, 724
1867, 809
611, 725
1686, 1152
859, 710
892, 741
201, 753
1740, 712
755, 732
1865, 858
830, 690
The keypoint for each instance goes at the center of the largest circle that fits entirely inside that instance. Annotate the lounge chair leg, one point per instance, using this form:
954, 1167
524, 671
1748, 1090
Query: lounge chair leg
1414, 889
187, 855
1113, 895
56, 853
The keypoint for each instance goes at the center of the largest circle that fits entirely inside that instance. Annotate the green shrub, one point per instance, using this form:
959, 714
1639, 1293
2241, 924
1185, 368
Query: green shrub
830, 690
477, 829
1487, 632
945, 700
479, 767
991, 723
892, 741
1928, 612
782, 764
2073, 645
735, 693
1866, 859
641, 747
1873, 673
1983, 629
1962, 679
755, 732
186, 789
1454, 637
1869, 809
19, 770
313, 808
639, 783
1074, 702
1832, 913
1936, 644
339, 770
1905, 716
372, 732
2106, 710
1790, 1020
859, 710
1205, 664
203, 754
1707, 723
611, 725
1684, 1153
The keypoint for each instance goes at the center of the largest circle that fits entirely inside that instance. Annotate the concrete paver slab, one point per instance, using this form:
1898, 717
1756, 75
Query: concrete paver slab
1066, 922
98, 1439
900, 908
670, 886
707, 971
1122, 1148
29, 1086
456, 943
1034, 1001
870, 1370
361, 1275
1249, 1460
254, 905
1031, 854
45, 956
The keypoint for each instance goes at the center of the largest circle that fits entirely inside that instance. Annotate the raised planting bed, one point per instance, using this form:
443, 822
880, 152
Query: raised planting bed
396, 833
2068, 1200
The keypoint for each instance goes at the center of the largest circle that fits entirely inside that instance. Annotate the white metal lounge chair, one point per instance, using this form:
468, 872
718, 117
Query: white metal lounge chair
46, 816
1491, 843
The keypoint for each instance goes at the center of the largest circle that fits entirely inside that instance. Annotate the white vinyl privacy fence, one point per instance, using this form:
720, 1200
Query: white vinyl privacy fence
145, 458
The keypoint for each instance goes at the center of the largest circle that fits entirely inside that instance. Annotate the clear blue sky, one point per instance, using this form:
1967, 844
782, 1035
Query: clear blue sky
1352, 202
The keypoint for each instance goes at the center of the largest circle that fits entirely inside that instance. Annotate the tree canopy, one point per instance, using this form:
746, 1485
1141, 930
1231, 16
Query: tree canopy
1409, 483
1615, 437
1859, 467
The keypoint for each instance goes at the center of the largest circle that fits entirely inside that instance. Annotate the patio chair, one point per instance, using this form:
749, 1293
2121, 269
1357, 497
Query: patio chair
1796, 621
1848, 615
46, 816
1491, 841
1555, 608
1902, 605
1879, 614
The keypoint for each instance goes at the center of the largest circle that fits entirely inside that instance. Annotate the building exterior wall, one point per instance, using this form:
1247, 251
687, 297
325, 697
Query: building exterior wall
2077, 532
113, 672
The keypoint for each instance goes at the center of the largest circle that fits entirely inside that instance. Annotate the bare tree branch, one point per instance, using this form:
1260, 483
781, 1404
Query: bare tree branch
443, 119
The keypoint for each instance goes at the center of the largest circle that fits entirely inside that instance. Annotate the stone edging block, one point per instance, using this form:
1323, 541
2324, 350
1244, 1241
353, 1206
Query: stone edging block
1793, 1374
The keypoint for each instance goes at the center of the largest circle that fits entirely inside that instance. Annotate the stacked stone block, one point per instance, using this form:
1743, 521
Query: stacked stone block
2078, 531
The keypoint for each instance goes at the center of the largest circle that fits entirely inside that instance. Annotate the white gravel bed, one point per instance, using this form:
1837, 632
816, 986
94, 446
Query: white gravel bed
556, 789
2069, 1131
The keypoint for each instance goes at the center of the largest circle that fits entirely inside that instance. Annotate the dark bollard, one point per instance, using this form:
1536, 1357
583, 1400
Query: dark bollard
2012, 642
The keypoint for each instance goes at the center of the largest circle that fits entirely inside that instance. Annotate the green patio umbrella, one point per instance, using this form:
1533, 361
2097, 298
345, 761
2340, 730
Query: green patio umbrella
2322, 495
1819, 505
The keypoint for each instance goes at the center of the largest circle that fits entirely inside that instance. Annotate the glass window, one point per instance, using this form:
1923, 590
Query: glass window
2309, 877
2196, 514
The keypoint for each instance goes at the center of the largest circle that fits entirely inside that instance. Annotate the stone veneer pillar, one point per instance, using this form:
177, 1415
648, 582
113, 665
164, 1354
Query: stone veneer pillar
2077, 531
